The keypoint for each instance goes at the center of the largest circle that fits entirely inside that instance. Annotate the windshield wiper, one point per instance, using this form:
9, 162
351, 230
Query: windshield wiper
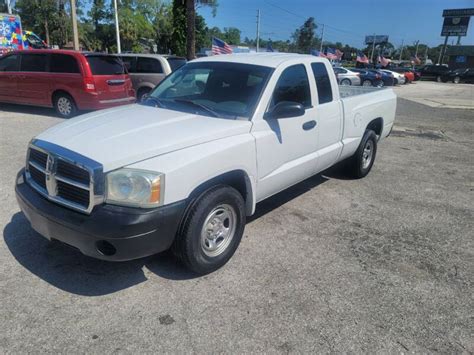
201, 106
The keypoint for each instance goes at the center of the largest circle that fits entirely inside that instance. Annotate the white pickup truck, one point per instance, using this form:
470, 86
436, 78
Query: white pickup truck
184, 169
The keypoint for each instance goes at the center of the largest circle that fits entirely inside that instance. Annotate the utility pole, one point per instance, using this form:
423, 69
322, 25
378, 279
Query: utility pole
373, 49
117, 30
441, 54
426, 54
258, 29
75, 34
9, 6
401, 51
459, 41
322, 39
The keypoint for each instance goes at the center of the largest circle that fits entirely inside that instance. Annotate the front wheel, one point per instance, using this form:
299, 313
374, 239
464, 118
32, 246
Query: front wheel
64, 105
212, 230
439, 79
456, 80
360, 164
346, 82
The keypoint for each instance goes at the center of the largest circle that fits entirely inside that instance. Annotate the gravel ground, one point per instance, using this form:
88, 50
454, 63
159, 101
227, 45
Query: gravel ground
382, 264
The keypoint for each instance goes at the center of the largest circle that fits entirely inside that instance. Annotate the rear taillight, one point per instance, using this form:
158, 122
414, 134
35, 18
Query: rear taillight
378, 76
89, 84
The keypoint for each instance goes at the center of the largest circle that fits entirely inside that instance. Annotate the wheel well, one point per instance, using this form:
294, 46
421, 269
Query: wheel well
376, 125
57, 92
238, 179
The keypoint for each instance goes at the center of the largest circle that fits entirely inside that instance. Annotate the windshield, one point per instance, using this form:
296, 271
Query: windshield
226, 90
105, 65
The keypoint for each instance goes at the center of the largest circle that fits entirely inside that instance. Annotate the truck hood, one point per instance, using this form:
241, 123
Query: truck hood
125, 135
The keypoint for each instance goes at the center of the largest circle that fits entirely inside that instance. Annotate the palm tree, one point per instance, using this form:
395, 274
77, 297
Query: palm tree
190, 23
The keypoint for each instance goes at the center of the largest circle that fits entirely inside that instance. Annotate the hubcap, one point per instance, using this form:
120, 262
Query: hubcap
367, 154
218, 230
64, 106
367, 83
456, 80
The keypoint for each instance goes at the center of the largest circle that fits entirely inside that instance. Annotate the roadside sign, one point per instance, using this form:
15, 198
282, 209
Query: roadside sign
458, 12
455, 26
378, 39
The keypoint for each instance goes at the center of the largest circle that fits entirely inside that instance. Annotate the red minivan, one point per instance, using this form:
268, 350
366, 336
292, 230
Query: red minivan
66, 80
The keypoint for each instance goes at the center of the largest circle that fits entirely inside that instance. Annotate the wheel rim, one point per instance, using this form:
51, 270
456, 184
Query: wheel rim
456, 80
218, 230
345, 82
438, 79
64, 106
367, 154
367, 83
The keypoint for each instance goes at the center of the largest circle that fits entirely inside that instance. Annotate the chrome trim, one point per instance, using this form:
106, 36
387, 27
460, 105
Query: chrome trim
55, 153
37, 166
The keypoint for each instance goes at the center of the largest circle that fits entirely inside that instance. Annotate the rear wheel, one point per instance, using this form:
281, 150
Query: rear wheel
366, 83
212, 230
456, 80
360, 164
346, 82
64, 105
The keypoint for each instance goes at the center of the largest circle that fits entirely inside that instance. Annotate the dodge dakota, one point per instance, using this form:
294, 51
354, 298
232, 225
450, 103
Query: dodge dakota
184, 168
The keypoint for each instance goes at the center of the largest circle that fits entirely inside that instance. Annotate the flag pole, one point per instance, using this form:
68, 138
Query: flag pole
117, 30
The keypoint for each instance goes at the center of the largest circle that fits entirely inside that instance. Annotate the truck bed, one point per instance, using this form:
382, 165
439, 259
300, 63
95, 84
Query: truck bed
347, 90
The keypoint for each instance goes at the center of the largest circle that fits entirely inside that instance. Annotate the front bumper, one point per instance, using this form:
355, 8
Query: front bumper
110, 232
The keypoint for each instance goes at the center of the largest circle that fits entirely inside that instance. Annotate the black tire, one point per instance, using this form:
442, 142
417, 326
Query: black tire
142, 92
64, 105
357, 166
192, 246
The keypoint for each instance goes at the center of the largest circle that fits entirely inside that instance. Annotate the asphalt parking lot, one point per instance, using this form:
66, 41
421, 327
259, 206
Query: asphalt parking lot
382, 264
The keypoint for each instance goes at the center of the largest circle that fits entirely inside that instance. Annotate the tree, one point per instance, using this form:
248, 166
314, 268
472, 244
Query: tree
41, 16
304, 38
178, 36
191, 22
231, 35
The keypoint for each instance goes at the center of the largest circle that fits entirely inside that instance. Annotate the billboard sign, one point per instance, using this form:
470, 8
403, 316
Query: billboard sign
455, 26
458, 12
378, 39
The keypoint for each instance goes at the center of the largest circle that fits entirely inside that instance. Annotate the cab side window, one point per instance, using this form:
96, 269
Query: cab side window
293, 86
323, 83
149, 65
10, 63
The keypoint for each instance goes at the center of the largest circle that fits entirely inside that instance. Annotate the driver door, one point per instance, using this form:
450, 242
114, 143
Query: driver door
287, 147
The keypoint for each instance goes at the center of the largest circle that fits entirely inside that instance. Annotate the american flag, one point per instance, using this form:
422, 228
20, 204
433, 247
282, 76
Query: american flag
317, 53
220, 47
383, 61
331, 53
361, 57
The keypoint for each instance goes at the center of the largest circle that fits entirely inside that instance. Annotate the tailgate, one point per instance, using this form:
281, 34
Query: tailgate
110, 78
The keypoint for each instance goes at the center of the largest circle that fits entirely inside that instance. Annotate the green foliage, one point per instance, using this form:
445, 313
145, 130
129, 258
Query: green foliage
304, 37
178, 36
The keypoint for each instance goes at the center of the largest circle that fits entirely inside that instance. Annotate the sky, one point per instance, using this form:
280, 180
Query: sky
346, 21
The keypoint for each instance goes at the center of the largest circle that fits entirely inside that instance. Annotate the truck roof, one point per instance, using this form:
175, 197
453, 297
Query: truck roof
271, 59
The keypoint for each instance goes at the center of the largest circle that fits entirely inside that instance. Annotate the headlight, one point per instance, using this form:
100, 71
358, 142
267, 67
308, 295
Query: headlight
131, 187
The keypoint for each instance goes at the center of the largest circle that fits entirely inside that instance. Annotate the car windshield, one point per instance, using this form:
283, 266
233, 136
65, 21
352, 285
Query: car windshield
226, 90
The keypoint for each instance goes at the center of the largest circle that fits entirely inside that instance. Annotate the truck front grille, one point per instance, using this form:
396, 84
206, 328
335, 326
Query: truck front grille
62, 178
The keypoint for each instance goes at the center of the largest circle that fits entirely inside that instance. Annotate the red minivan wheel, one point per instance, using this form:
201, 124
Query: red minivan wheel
64, 105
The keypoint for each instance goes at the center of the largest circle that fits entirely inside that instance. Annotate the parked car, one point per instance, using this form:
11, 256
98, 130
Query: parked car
433, 72
187, 166
399, 79
147, 70
369, 78
66, 80
464, 75
409, 76
387, 78
346, 77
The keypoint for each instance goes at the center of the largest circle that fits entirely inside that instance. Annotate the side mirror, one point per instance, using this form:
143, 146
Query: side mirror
286, 109
144, 97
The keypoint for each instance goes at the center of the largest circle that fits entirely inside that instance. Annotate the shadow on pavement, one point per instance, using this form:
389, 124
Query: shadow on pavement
32, 110
67, 269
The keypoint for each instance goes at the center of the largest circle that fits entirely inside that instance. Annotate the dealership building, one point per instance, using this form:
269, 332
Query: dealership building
460, 57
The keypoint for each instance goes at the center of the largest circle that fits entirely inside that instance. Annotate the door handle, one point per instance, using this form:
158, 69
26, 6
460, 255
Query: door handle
309, 125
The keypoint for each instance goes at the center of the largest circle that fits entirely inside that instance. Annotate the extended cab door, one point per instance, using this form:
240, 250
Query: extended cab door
329, 115
286, 147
